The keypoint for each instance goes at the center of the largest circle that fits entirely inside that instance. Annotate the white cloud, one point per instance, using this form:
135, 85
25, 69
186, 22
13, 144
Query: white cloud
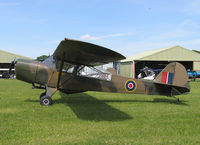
89, 37
191, 44
186, 30
171, 35
141, 46
9, 4
186, 34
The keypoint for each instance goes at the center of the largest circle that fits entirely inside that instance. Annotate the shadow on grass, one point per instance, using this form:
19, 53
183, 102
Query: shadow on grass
87, 107
155, 100
174, 101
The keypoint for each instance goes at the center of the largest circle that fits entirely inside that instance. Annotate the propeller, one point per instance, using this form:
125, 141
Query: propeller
12, 64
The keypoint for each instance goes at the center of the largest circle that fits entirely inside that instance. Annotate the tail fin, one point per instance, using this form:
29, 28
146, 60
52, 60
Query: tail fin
175, 77
173, 74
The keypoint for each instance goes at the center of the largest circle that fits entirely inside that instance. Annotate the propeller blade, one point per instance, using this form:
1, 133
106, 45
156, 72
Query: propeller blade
12, 64
10, 68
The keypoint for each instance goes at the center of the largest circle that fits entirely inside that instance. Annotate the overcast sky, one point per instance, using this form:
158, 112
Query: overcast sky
33, 28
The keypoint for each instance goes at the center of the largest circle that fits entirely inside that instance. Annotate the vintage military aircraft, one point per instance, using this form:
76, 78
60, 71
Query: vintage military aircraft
71, 69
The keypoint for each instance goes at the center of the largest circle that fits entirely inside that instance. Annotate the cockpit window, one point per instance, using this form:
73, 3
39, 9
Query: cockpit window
93, 72
85, 71
67, 67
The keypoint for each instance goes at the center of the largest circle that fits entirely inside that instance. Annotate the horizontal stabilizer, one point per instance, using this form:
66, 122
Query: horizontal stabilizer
173, 90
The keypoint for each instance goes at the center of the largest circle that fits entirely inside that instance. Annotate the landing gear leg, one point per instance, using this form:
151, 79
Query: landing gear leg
45, 98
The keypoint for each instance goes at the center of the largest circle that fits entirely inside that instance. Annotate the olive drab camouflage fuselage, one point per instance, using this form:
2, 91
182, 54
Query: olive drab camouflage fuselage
65, 71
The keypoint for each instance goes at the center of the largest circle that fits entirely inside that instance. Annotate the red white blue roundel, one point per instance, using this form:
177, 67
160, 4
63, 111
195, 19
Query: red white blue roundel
130, 85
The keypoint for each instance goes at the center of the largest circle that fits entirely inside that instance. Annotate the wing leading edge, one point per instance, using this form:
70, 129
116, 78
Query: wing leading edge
83, 53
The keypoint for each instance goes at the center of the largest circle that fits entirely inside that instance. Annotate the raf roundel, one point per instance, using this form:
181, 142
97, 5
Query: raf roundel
130, 85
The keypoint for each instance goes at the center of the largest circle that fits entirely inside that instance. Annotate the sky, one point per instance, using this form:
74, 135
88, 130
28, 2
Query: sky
35, 27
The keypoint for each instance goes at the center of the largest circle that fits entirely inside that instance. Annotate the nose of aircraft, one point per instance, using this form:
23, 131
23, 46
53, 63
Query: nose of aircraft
25, 70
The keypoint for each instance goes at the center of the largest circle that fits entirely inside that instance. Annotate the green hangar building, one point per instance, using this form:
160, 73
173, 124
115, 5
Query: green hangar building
5, 59
158, 59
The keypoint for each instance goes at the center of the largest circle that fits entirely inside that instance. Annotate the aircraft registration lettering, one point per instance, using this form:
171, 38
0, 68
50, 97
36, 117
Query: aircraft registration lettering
130, 85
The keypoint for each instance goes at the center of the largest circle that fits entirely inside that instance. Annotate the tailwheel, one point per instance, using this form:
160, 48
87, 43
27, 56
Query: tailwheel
45, 100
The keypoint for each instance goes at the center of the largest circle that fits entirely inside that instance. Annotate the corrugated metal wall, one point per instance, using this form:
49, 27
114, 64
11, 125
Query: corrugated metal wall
126, 69
176, 53
189, 58
196, 65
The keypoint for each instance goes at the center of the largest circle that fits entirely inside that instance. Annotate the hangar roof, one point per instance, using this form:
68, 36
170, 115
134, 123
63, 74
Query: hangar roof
175, 53
7, 57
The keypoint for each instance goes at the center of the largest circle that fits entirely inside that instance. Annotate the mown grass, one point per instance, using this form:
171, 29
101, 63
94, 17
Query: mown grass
97, 118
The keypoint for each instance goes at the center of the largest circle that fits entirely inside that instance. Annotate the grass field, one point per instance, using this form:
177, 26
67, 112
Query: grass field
97, 118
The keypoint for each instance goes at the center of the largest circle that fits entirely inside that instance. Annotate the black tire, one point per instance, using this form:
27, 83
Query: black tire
43, 94
45, 100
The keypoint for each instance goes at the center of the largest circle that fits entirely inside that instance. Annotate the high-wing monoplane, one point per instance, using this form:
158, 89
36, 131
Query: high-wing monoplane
71, 69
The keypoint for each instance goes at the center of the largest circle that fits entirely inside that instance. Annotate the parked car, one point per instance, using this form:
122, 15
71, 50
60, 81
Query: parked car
193, 74
198, 73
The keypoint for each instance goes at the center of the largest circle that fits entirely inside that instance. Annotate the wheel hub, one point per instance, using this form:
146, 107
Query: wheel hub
46, 102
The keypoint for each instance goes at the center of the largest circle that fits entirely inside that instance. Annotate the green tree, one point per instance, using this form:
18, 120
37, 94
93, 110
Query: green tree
196, 51
41, 58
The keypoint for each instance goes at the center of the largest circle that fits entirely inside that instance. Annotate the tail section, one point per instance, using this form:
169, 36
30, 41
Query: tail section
175, 76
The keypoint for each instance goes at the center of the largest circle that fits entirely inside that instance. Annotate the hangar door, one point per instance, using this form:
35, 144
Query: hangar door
126, 69
196, 65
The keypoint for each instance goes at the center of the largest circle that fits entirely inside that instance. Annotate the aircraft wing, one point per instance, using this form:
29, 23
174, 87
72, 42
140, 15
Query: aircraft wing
83, 53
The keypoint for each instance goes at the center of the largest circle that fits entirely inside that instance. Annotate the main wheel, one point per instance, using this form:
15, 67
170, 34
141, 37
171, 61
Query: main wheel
45, 100
43, 94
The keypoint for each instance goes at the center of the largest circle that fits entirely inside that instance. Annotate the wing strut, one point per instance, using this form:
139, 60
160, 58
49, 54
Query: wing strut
60, 71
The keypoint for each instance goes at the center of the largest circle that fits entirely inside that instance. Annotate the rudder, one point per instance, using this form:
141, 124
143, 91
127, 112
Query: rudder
173, 74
